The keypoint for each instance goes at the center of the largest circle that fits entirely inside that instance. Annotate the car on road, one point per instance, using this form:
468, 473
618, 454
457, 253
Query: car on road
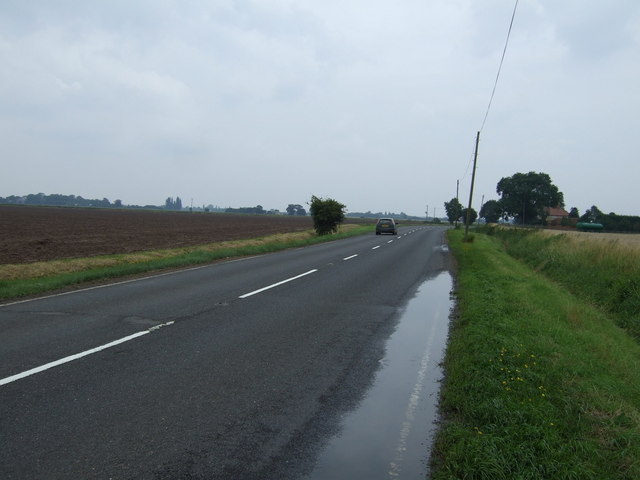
386, 225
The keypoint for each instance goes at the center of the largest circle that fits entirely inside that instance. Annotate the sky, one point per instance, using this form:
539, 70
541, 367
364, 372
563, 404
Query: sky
373, 103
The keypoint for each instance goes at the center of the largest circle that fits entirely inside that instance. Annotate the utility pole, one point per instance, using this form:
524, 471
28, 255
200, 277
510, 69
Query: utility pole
473, 180
457, 188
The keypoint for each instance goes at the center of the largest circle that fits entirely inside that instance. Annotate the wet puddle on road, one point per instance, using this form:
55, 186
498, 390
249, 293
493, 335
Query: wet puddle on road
389, 435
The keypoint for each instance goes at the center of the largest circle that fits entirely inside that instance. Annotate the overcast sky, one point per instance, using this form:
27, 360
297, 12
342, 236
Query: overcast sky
374, 103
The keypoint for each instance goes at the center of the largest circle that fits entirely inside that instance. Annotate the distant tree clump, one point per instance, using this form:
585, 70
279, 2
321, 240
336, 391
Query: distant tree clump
295, 209
327, 214
621, 223
171, 204
257, 210
57, 200
525, 195
491, 211
592, 215
473, 216
398, 216
611, 221
453, 208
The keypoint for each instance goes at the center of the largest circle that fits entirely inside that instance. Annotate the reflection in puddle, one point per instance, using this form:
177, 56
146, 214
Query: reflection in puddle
389, 434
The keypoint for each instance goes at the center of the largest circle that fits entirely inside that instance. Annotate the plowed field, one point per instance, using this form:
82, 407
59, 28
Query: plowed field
32, 234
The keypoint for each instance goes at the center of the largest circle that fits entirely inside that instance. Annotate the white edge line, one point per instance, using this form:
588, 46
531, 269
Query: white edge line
70, 358
349, 258
277, 284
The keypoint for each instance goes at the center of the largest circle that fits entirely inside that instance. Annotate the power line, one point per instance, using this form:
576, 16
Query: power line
468, 165
475, 155
506, 43
495, 84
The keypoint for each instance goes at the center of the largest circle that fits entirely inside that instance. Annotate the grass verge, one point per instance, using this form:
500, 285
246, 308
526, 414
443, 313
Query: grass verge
539, 384
602, 272
31, 279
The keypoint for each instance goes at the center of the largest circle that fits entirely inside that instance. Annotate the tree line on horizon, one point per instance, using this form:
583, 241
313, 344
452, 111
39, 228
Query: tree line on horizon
58, 200
524, 200
171, 203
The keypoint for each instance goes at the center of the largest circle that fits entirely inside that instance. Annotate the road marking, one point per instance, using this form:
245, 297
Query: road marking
279, 283
390, 241
395, 466
377, 246
349, 258
70, 358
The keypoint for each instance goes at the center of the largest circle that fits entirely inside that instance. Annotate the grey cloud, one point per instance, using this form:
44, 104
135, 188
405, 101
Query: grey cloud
241, 102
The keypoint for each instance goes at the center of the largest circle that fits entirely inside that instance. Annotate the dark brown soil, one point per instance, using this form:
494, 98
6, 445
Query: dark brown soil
31, 234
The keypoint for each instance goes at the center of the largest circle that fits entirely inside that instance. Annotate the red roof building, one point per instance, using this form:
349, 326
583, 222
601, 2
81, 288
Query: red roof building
555, 215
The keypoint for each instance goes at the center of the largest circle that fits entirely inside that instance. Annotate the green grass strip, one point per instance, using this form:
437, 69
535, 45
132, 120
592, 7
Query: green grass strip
11, 289
538, 383
605, 273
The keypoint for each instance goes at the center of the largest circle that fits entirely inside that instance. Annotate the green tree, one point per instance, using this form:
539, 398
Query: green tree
472, 217
171, 204
454, 210
295, 209
327, 214
525, 195
491, 211
573, 213
593, 215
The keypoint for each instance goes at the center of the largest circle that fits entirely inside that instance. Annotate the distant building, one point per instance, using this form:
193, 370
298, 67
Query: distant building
556, 216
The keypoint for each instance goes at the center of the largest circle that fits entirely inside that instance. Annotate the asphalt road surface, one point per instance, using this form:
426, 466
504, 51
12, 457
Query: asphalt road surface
236, 370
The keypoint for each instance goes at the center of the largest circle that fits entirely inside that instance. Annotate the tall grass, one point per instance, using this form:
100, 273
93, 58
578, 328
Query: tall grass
603, 273
538, 383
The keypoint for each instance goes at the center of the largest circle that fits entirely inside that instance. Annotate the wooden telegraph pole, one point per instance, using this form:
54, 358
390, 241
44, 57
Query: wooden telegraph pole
473, 179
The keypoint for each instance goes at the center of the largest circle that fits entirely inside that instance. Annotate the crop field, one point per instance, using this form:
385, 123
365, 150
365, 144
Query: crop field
626, 239
36, 234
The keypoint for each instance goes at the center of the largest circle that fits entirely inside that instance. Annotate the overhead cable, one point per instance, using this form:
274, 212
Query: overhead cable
500, 67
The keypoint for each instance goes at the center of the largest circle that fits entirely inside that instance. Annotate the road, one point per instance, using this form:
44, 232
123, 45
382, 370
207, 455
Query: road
232, 370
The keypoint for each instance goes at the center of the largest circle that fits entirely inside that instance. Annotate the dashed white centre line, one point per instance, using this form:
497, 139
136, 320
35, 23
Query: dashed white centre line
390, 241
377, 246
349, 258
279, 283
